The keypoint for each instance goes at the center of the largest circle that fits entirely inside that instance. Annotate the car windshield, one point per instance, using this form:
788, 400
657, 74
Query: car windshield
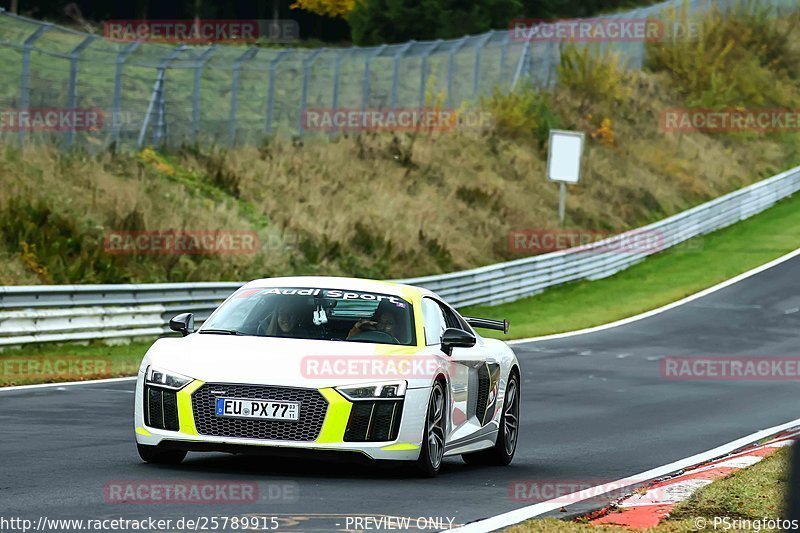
315, 313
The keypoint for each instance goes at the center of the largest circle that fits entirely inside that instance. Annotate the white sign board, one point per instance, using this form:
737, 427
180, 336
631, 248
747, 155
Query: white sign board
564, 160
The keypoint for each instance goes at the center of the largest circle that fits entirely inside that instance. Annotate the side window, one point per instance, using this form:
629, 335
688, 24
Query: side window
450, 318
434, 320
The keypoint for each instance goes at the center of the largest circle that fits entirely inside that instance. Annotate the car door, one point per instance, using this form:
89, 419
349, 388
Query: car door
467, 368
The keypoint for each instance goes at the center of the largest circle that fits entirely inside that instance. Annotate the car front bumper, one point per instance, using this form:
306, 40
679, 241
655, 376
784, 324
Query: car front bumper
331, 436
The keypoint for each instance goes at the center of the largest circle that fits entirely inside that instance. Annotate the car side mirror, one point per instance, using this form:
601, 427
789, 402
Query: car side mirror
184, 324
456, 338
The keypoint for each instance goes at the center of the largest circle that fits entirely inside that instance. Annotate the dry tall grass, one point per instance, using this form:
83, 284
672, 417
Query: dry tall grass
394, 205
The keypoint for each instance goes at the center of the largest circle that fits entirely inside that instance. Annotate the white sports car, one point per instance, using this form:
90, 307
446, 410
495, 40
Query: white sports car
318, 364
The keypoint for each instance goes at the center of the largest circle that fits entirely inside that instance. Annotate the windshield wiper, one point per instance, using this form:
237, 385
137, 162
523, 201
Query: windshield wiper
221, 331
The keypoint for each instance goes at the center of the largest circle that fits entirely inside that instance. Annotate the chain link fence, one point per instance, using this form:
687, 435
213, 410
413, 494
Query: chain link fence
155, 94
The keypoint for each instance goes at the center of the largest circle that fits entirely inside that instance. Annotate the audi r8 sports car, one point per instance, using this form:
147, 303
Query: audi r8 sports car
317, 365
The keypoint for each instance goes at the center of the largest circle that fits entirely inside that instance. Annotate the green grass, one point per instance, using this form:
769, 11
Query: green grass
660, 280
26, 365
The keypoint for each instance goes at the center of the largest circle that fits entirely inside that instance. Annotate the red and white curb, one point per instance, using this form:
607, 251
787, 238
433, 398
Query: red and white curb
647, 508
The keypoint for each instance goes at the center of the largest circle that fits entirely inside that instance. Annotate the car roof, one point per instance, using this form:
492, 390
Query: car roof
333, 282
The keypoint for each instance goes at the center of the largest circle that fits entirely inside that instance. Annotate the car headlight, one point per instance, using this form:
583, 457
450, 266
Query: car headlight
388, 391
164, 378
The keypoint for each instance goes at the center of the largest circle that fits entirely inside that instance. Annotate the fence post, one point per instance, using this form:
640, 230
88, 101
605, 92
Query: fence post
337, 70
73, 80
198, 71
451, 67
365, 85
504, 53
396, 71
476, 80
24, 90
158, 97
117, 104
521, 63
307, 63
237, 72
273, 65
423, 78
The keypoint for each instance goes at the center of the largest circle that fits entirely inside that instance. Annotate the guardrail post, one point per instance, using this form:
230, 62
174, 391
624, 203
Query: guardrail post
73, 80
451, 67
25, 80
117, 104
237, 71
476, 79
396, 71
198, 72
273, 65
423, 78
365, 85
307, 63
158, 97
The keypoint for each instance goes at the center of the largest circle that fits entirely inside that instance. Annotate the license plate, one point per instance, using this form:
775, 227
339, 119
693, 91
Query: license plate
261, 409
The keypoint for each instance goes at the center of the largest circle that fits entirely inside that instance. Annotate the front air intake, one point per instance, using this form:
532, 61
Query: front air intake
374, 421
161, 408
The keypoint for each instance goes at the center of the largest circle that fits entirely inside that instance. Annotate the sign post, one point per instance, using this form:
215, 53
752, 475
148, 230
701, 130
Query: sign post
564, 163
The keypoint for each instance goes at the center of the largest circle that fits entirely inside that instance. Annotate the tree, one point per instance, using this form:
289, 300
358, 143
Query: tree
326, 8
391, 21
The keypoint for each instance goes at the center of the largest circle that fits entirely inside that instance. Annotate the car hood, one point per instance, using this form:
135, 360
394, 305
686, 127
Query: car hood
288, 362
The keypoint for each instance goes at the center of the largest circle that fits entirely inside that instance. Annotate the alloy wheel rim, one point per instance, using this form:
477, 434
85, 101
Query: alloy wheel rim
436, 427
511, 417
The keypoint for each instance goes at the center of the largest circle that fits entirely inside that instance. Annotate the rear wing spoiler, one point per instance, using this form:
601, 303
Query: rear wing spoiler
487, 323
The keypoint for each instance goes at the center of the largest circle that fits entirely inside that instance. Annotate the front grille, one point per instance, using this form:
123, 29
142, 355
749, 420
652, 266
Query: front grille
374, 421
313, 407
161, 408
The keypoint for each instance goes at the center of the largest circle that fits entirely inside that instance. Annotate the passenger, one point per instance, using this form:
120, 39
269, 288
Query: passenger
287, 320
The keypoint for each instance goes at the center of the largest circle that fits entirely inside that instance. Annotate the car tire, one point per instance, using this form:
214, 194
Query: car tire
159, 456
431, 453
502, 453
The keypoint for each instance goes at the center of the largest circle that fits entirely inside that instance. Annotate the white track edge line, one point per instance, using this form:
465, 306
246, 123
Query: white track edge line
66, 384
520, 515
659, 310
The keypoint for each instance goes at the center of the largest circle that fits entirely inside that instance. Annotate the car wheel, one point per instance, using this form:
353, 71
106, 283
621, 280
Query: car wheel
431, 454
159, 456
502, 453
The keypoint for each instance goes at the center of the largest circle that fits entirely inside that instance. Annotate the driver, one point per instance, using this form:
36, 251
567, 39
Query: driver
385, 319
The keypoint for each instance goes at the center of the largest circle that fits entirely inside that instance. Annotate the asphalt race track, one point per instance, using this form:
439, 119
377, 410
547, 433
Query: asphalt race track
595, 409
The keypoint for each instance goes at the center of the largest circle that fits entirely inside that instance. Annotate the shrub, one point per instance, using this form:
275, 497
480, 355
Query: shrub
593, 76
744, 57
522, 114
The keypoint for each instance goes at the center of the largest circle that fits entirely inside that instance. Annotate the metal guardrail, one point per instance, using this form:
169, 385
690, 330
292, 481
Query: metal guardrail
30, 314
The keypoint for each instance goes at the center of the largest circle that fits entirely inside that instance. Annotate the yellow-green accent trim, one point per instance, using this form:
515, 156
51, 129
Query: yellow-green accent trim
401, 447
142, 431
185, 415
336, 418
